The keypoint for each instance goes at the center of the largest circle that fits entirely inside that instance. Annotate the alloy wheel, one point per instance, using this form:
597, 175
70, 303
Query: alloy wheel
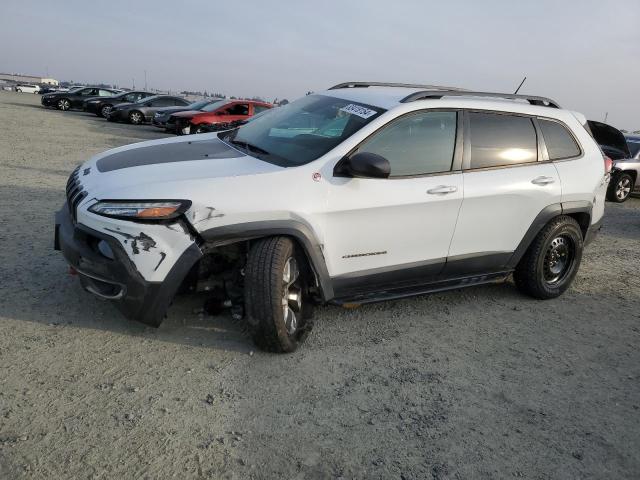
136, 118
291, 295
106, 110
623, 188
64, 104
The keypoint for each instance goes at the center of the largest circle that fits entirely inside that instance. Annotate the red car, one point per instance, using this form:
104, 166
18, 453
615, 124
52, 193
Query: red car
221, 115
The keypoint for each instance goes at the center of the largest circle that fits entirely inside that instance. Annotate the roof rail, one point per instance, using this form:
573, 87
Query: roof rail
430, 94
385, 84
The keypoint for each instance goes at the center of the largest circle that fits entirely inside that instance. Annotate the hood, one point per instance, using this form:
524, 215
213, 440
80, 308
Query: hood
187, 113
164, 110
610, 139
166, 168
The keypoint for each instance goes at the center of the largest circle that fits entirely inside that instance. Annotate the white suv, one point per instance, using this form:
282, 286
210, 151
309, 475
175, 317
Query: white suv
361, 193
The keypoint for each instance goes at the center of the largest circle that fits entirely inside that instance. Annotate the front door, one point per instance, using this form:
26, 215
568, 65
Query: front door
395, 232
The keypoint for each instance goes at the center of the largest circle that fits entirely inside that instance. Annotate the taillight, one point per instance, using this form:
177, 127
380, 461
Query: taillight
608, 164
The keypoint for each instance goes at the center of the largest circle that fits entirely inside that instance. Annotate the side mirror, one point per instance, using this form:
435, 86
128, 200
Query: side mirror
364, 165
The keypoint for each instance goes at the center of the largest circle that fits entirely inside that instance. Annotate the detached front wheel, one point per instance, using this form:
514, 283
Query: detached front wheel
276, 299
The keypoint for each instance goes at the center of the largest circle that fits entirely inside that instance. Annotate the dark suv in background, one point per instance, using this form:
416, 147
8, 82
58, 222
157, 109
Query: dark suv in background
101, 106
144, 110
75, 98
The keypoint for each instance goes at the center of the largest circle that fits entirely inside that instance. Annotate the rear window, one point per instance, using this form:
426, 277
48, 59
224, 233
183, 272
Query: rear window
560, 143
501, 140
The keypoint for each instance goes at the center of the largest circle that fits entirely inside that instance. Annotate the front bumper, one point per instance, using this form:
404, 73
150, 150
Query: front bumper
92, 107
116, 115
117, 278
49, 102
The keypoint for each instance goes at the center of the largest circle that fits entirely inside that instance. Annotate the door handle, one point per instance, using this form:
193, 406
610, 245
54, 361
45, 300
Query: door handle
442, 190
543, 180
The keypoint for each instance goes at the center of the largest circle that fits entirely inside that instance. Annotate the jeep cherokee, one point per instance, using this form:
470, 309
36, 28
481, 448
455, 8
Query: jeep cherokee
361, 193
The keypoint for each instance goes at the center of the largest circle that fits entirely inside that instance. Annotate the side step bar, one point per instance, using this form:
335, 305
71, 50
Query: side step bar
404, 292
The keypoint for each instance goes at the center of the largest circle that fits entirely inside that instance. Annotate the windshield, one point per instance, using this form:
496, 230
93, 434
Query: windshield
198, 105
214, 106
302, 131
634, 145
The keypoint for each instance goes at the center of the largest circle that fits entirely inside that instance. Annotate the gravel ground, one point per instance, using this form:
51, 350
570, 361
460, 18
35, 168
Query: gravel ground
476, 383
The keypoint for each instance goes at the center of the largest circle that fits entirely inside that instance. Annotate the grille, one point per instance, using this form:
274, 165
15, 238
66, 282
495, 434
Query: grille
75, 193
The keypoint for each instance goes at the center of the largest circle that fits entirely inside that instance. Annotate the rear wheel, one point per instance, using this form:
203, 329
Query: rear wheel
136, 117
552, 260
276, 298
64, 104
620, 188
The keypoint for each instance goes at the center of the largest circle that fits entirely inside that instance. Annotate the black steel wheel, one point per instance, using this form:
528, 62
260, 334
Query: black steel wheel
552, 260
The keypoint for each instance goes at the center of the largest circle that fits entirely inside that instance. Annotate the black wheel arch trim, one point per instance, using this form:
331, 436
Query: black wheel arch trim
544, 217
294, 227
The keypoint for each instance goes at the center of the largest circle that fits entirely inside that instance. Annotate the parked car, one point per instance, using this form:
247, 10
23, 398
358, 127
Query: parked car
144, 110
101, 106
351, 195
223, 115
48, 89
204, 128
161, 117
28, 88
73, 99
626, 159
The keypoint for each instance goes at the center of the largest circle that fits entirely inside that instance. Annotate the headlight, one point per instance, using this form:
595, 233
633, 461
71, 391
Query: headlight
141, 210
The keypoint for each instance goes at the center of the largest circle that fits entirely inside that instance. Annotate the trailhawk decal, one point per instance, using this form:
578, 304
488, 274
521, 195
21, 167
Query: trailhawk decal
368, 254
362, 112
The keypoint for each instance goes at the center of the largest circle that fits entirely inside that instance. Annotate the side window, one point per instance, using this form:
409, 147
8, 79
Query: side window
179, 102
88, 92
259, 108
132, 98
238, 109
164, 102
104, 93
500, 140
416, 144
560, 143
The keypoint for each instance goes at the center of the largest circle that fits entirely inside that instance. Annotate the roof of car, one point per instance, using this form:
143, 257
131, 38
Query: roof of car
389, 95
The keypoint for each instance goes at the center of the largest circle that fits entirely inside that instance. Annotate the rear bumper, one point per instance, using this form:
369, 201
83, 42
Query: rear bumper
117, 278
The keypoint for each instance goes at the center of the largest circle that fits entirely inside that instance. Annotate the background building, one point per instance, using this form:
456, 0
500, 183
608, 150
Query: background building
28, 79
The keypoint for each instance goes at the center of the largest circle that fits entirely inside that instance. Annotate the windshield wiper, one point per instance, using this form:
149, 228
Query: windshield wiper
249, 147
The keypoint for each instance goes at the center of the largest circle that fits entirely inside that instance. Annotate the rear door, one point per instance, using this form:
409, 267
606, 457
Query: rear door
507, 184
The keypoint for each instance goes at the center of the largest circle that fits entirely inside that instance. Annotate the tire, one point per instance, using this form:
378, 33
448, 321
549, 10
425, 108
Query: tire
620, 188
136, 118
276, 298
195, 129
19, 90
64, 104
104, 111
552, 260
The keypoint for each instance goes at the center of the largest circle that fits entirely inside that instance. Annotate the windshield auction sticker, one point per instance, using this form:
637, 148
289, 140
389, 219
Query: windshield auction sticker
358, 110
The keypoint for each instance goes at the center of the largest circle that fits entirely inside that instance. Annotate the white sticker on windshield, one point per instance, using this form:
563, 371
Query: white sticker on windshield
358, 110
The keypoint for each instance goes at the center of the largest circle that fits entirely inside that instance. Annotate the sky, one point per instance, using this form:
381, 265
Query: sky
584, 54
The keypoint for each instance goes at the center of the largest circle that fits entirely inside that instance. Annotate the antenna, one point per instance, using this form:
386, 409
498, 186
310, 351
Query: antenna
606, 114
521, 83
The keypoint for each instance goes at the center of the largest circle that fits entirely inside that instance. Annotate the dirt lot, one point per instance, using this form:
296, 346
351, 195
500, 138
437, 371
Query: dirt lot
478, 383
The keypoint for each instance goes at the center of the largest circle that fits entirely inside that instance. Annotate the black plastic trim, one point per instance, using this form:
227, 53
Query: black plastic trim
294, 227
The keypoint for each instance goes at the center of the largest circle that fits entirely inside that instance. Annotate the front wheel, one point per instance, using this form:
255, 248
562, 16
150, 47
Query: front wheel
276, 298
136, 117
64, 104
620, 188
105, 110
552, 260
